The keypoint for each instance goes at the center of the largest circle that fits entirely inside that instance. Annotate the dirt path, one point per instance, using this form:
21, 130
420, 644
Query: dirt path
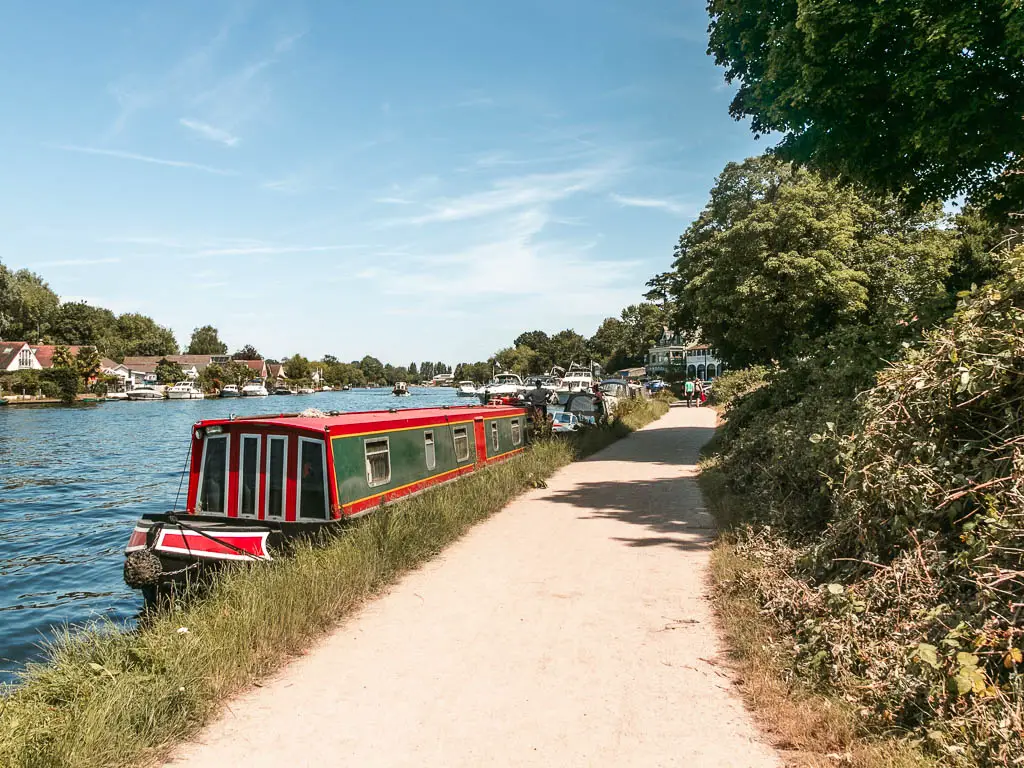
568, 630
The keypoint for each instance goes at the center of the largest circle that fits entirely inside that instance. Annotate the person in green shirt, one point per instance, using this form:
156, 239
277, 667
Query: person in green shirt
688, 388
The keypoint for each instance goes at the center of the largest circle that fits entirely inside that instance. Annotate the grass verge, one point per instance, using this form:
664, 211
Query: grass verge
111, 698
814, 728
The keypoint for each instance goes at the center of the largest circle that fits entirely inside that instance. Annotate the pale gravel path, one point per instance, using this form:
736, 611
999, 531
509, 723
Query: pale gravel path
571, 629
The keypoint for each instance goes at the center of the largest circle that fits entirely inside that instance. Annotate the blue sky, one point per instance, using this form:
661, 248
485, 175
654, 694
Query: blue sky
406, 179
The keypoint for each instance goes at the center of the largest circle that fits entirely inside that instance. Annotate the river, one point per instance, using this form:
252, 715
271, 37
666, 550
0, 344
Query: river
74, 480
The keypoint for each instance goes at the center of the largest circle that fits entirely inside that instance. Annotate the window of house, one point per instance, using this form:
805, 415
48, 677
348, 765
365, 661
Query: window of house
248, 475
428, 449
378, 461
312, 480
460, 436
517, 432
494, 435
213, 485
277, 450
25, 358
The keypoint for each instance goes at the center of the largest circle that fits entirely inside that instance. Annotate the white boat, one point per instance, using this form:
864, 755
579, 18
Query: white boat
231, 390
146, 393
575, 380
503, 385
401, 388
255, 388
185, 390
116, 396
467, 389
326, 388
305, 391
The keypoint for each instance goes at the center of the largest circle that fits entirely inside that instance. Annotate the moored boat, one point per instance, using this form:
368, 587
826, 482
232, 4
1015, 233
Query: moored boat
400, 388
467, 389
185, 390
230, 390
255, 388
255, 483
577, 379
305, 391
146, 393
504, 387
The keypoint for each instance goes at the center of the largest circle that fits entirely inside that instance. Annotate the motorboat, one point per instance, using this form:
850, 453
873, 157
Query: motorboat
576, 379
326, 388
114, 396
400, 389
254, 388
346, 388
283, 391
231, 390
185, 390
467, 389
305, 391
503, 387
146, 393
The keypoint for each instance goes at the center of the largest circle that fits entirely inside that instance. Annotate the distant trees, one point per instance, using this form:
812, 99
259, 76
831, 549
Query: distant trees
168, 372
205, 341
248, 352
372, 368
297, 368
137, 334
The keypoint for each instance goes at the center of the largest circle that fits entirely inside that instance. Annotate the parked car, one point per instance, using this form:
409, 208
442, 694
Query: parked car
563, 422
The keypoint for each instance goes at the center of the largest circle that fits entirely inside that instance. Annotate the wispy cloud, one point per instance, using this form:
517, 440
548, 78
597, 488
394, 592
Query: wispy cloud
662, 204
514, 193
393, 201
271, 250
211, 132
145, 159
77, 262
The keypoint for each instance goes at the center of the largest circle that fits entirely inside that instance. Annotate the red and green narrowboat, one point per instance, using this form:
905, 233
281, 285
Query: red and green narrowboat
257, 482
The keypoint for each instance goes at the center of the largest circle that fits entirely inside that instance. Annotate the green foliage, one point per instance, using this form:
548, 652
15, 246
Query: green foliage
87, 362
62, 358
297, 368
30, 303
66, 382
917, 96
138, 335
205, 341
373, 369
521, 359
168, 372
780, 259
732, 385
248, 352
79, 323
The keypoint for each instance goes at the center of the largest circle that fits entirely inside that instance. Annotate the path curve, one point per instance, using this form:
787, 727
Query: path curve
571, 629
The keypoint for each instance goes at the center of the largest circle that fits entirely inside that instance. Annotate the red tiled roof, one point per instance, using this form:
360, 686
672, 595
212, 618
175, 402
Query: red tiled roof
44, 353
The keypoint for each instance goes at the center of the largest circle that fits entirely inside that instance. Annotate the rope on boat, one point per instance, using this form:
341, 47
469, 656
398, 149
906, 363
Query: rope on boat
175, 521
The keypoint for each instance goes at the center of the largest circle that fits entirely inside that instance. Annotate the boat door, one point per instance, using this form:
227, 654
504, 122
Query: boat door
480, 439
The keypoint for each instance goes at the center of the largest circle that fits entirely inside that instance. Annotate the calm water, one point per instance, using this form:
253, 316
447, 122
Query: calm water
74, 480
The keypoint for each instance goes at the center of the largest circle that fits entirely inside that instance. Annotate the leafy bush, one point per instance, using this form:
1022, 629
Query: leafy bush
732, 385
893, 550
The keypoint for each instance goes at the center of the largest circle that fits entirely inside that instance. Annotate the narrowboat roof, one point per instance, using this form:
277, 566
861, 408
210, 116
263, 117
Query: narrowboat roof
361, 421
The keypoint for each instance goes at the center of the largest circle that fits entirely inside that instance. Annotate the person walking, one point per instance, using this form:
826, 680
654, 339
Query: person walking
688, 388
699, 392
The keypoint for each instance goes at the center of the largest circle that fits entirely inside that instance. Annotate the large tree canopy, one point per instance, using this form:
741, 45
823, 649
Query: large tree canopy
780, 258
917, 95
205, 341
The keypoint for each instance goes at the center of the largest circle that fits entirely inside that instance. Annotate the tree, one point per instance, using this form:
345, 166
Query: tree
205, 341
568, 347
7, 301
79, 323
914, 95
414, 374
136, 334
211, 378
516, 359
642, 325
297, 368
372, 368
34, 306
426, 371
63, 359
780, 259
88, 363
606, 343
248, 352
168, 372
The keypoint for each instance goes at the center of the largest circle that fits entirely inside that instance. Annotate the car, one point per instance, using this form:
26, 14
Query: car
563, 422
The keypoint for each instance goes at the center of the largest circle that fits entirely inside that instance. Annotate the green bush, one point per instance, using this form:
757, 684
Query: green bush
732, 385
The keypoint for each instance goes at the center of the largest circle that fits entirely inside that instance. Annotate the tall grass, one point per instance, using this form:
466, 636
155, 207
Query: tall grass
106, 697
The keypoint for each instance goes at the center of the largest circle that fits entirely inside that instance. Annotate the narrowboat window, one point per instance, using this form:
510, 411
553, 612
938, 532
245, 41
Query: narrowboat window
248, 475
312, 480
494, 435
428, 449
214, 490
277, 449
460, 435
517, 432
378, 462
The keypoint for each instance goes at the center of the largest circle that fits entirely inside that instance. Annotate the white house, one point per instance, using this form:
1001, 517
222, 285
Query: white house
18, 356
674, 353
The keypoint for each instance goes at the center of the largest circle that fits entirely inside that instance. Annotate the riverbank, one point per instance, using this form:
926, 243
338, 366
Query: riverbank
107, 698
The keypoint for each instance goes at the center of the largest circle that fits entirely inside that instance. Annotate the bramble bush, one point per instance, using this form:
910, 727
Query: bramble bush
890, 526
